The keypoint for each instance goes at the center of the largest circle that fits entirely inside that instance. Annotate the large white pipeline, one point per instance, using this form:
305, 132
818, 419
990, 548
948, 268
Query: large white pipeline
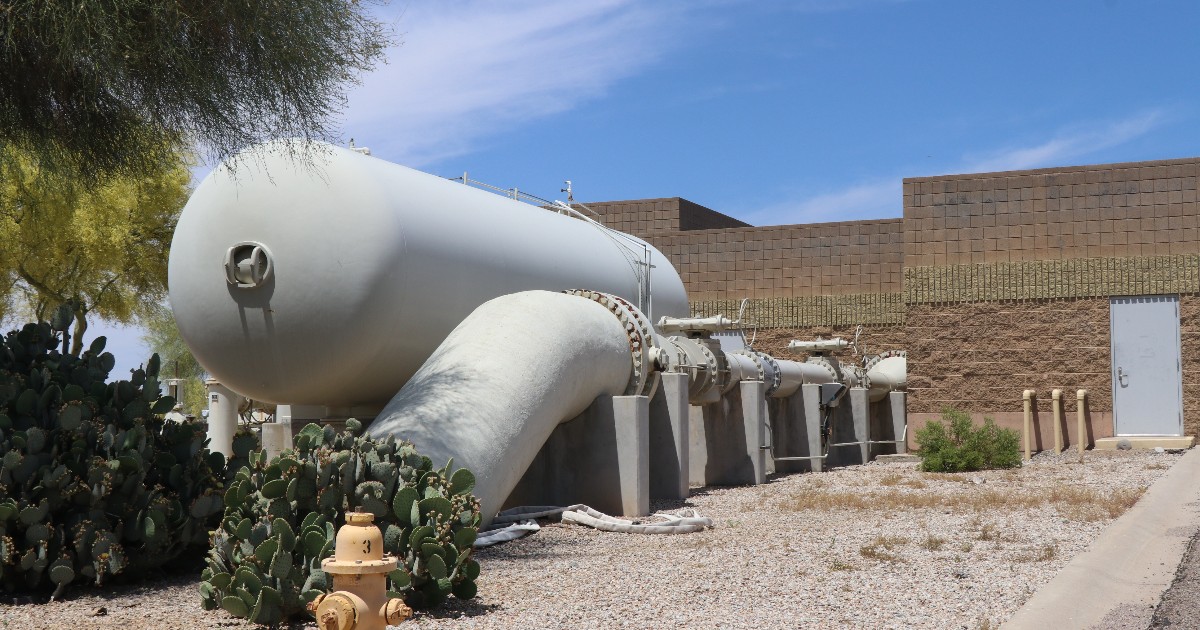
331, 283
495, 389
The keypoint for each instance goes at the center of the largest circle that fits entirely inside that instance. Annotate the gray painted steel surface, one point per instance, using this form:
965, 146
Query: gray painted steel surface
503, 380
1147, 381
347, 274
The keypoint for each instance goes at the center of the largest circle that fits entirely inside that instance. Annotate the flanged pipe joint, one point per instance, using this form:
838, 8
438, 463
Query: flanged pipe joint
359, 570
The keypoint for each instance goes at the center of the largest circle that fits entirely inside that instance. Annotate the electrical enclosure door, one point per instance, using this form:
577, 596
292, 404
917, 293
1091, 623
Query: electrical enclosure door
1146, 377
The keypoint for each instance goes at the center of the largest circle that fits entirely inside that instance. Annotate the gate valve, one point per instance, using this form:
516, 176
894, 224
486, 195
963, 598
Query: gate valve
359, 570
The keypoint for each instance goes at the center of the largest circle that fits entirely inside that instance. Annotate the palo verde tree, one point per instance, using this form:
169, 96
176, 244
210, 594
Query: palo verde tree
106, 88
100, 249
162, 336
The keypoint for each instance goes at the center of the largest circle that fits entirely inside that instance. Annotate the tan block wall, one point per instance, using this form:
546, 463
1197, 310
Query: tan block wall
856, 257
641, 217
693, 216
1108, 210
1189, 339
981, 356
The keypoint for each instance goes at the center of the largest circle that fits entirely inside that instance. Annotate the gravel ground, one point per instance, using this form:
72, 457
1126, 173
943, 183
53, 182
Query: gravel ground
875, 546
1180, 606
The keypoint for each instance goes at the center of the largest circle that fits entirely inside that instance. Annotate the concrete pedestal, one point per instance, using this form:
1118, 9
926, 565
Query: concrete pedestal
599, 458
851, 429
898, 409
796, 430
669, 438
727, 438
275, 437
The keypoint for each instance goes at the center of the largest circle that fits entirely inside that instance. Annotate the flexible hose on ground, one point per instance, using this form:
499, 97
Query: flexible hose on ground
517, 522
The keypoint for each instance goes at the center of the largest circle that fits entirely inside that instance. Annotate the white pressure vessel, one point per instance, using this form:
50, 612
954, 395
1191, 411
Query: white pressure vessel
330, 282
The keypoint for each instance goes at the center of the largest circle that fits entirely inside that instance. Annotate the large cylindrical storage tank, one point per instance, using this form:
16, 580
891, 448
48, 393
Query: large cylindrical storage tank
329, 282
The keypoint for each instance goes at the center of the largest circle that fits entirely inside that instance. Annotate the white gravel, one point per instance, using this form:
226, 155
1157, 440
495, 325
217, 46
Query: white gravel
875, 546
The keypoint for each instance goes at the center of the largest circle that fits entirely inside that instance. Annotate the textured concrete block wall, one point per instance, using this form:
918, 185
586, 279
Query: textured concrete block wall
981, 356
642, 217
1189, 338
1108, 210
857, 257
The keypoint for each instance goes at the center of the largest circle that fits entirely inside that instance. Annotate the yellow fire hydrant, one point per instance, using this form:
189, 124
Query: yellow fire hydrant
359, 570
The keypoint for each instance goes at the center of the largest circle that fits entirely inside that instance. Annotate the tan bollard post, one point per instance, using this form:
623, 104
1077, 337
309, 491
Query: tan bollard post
1058, 420
1080, 405
1028, 427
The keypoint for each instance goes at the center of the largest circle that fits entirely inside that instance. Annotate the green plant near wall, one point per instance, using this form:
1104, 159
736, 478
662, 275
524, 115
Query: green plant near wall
957, 445
281, 516
93, 482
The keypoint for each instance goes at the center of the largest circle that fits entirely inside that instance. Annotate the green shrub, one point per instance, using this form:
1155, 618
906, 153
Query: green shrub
93, 482
281, 516
964, 447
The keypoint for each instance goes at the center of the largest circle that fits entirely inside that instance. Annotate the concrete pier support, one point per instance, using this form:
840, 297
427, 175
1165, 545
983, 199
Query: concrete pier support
756, 424
860, 409
727, 437
600, 458
898, 406
669, 438
796, 430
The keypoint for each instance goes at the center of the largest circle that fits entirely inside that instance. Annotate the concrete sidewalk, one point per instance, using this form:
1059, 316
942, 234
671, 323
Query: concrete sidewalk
1118, 581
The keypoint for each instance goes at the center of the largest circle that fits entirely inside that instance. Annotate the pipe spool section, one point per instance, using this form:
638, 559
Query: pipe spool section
481, 328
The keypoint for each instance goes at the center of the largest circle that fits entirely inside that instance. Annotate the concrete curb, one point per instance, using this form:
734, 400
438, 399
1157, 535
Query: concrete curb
1125, 571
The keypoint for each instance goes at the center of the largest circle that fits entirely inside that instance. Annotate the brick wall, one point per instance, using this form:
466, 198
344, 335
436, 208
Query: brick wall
649, 216
1189, 338
789, 260
981, 356
1108, 210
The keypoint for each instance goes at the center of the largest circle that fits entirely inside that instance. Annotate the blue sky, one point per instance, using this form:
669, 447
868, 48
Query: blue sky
773, 111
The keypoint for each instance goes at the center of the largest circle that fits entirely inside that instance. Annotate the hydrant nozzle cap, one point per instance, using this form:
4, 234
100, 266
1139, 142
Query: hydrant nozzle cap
360, 518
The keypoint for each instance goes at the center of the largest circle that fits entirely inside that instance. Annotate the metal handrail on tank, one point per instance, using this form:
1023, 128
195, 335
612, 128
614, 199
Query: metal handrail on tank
641, 268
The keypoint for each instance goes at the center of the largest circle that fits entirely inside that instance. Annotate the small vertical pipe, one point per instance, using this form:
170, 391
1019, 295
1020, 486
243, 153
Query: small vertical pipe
1080, 405
1028, 427
1058, 420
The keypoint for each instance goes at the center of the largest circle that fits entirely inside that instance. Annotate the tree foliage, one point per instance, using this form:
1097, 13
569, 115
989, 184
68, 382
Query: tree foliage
108, 87
100, 249
162, 335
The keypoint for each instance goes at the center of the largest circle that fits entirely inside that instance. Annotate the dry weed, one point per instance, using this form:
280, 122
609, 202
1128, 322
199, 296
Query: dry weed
1099, 507
1073, 502
882, 548
891, 479
933, 543
1045, 553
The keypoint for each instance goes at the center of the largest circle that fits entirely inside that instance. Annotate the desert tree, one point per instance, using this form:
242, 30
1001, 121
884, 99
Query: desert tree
104, 88
101, 250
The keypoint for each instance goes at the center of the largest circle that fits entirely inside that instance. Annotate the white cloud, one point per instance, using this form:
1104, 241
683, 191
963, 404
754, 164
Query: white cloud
882, 197
470, 69
1067, 145
866, 200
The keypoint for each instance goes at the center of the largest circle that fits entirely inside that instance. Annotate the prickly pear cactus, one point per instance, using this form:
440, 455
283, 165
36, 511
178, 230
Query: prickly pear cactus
281, 517
93, 482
